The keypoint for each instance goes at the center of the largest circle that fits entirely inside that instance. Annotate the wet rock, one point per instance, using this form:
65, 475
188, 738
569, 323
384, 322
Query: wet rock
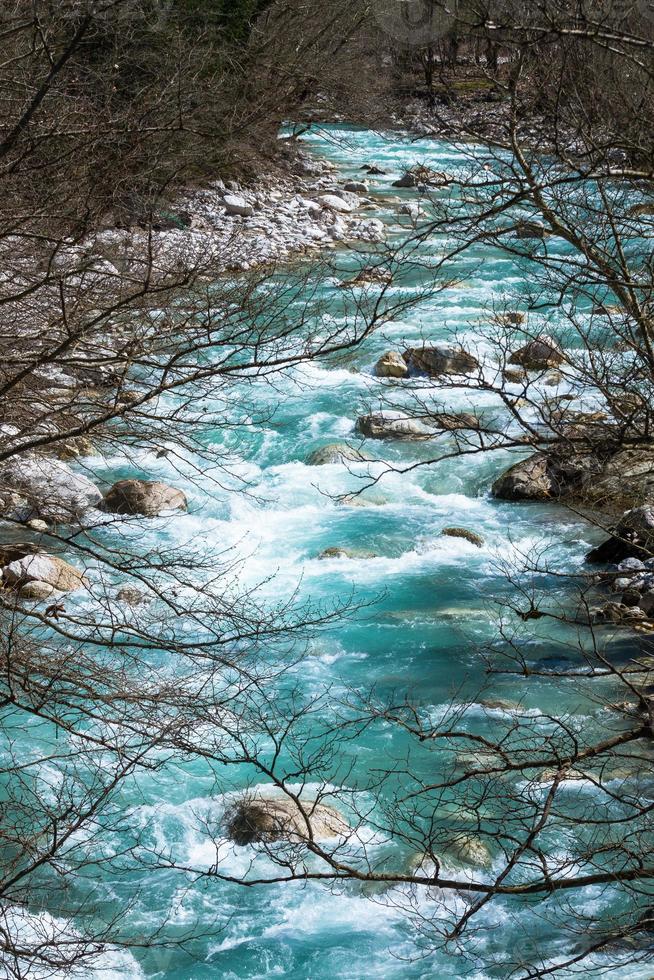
538, 355
413, 210
391, 365
48, 488
463, 532
336, 452
265, 820
632, 537
345, 553
392, 425
143, 497
530, 229
373, 170
367, 277
616, 613
422, 176
48, 569
514, 375
455, 421
356, 187
237, 205
512, 319
470, 850
131, 595
435, 361
527, 480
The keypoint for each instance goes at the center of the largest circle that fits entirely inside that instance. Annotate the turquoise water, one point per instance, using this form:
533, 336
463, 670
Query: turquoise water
427, 612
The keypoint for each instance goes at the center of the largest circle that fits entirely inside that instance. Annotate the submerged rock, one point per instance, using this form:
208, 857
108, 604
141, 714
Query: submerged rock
131, 595
344, 553
46, 489
470, 850
391, 365
264, 820
336, 452
422, 176
392, 425
143, 497
435, 361
462, 532
530, 229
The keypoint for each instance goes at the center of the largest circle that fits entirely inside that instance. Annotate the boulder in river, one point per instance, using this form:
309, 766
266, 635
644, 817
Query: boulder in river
422, 176
356, 187
47, 489
455, 421
529, 479
392, 425
143, 497
530, 229
48, 569
336, 452
435, 361
538, 355
391, 365
599, 476
512, 319
470, 850
263, 820
632, 537
463, 532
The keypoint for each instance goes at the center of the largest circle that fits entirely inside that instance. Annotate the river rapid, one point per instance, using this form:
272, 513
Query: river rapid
427, 614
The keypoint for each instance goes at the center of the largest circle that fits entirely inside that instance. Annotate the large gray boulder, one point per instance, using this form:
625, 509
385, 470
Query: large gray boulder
392, 425
43, 488
258, 819
435, 361
143, 497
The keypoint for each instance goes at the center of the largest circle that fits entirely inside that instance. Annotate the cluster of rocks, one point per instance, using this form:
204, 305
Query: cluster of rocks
44, 492
232, 227
425, 362
33, 574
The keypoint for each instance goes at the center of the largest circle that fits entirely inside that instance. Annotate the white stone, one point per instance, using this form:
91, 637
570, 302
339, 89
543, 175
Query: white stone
235, 204
337, 204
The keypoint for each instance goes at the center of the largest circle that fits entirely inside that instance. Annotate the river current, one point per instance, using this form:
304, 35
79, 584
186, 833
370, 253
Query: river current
429, 614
